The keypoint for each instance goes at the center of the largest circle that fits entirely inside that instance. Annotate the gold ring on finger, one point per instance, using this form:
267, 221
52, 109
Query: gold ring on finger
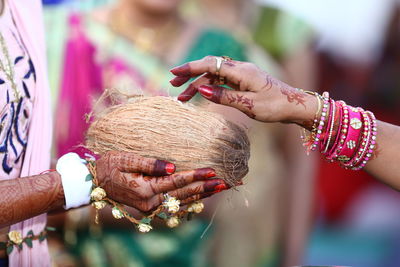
218, 61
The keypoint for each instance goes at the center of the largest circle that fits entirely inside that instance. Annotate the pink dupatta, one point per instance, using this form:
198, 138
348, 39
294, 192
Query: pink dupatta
29, 19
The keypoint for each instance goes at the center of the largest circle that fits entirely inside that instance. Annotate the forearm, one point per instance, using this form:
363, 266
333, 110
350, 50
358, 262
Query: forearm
24, 198
385, 165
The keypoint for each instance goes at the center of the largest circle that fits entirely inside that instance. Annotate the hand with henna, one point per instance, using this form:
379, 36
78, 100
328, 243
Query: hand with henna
127, 178
141, 182
255, 92
267, 99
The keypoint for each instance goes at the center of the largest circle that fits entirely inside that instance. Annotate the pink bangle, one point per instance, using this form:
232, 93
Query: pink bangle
354, 130
371, 145
364, 142
339, 108
341, 136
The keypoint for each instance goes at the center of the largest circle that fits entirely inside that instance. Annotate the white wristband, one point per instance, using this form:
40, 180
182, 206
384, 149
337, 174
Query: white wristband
73, 173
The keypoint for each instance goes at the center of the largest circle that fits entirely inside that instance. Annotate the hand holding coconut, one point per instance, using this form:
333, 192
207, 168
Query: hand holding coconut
142, 182
150, 132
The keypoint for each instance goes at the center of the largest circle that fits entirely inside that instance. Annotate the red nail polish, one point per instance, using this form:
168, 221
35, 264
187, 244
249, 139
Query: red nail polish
206, 91
220, 188
183, 97
170, 168
181, 70
178, 81
211, 174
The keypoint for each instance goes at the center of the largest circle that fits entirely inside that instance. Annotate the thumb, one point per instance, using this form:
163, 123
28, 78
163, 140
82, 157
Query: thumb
242, 101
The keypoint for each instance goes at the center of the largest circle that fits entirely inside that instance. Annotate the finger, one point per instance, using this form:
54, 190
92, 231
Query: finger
197, 197
220, 95
201, 66
179, 180
210, 186
204, 195
205, 79
191, 90
200, 187
233, 71
179, 80
131, 162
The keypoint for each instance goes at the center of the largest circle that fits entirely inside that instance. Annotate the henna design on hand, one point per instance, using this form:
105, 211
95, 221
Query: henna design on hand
229, 63
270, 82
294, 96
240, 99
24, 198
245, 101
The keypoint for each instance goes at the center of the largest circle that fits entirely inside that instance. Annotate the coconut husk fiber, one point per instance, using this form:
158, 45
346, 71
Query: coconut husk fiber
167, 129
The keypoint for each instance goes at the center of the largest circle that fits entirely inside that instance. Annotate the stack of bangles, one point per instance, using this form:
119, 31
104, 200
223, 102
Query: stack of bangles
342, 133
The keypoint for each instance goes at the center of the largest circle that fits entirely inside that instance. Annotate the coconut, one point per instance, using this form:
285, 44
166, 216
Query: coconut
167, 129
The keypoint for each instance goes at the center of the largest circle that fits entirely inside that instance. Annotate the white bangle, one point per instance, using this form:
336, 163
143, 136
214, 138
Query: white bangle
73, 173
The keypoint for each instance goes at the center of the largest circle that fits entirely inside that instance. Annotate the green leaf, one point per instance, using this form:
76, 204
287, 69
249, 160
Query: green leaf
3, 245
51, 229
30, 233
20, 246
145, 220
190, 216
28, 241
162, 215
10, 249
89, 177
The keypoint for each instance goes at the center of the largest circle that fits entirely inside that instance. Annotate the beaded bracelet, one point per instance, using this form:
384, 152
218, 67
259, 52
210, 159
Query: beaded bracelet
371, 145
364, 141
321, 122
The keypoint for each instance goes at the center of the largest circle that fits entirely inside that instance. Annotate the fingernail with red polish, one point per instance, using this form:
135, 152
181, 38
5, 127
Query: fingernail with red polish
189, 92
178, 81
220, 188
181, 70
183, 97
204, 173
170, 168
206, 91
211, 174
210, 185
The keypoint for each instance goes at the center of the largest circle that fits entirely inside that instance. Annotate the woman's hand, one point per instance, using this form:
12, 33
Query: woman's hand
131, 180
255, 92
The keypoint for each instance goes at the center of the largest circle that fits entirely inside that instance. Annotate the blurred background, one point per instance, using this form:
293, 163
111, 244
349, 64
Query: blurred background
293, 209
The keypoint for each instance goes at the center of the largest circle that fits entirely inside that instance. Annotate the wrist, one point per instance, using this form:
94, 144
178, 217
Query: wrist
303, 115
